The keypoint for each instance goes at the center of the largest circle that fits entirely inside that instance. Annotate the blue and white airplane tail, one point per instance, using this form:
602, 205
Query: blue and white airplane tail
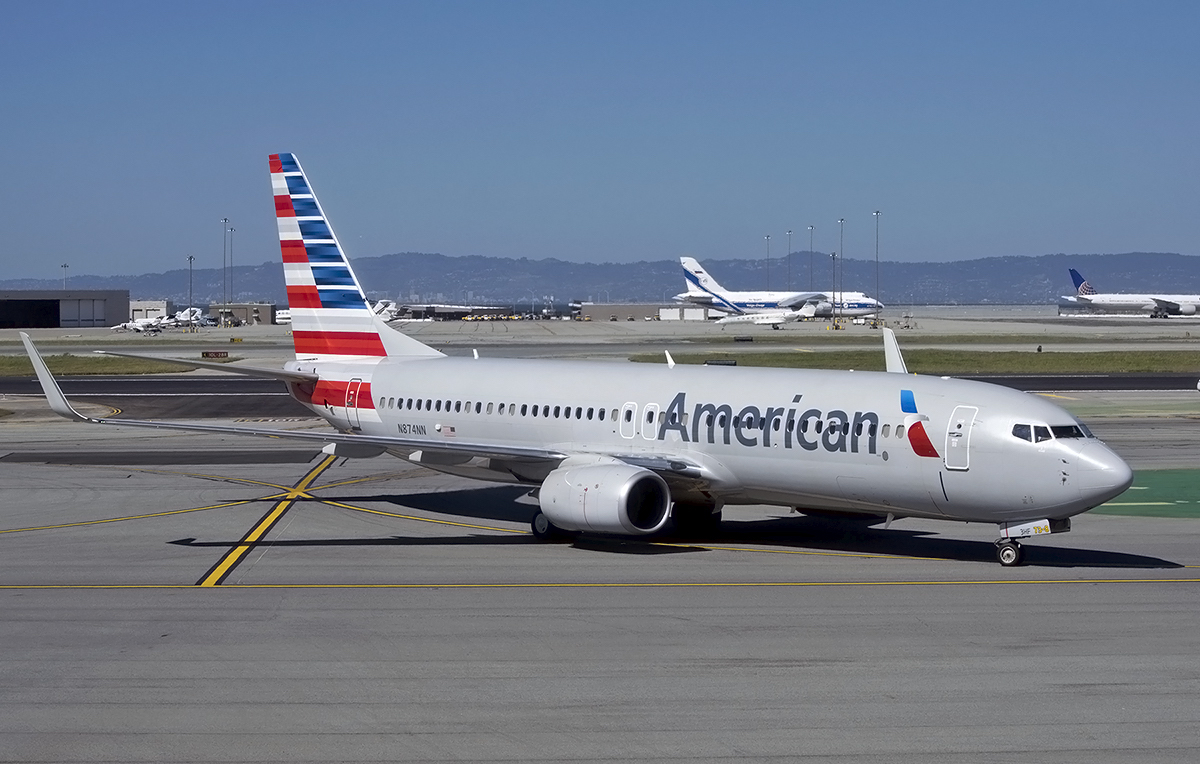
1081, 286
331, 318
699, 282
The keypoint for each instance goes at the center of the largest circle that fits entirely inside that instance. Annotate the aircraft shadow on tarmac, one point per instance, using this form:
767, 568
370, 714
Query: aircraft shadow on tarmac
807, 532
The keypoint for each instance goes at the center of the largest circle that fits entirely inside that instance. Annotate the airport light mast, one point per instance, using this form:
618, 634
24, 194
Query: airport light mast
842, 249
876, 213
191, 321
224, 258
768, 238
789, 261
64, 267
810, 257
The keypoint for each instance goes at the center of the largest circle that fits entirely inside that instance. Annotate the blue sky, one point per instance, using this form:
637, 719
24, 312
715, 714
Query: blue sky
598, 131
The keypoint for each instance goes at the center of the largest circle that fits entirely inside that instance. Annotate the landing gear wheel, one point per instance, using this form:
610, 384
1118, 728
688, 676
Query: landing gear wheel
543, 529
1010, 554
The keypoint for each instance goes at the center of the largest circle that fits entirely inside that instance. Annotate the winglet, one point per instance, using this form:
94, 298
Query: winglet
891, 353
670, 360
54, 394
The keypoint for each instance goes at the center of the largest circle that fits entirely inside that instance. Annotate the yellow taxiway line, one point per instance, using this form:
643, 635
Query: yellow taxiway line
217, 573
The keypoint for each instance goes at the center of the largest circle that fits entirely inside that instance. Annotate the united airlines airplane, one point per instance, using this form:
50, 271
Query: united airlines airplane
630, 449
1157, 305
703, 289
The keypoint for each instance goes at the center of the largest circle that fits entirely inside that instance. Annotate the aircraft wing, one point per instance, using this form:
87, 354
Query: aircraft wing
1167, 305
674, 470
803, 298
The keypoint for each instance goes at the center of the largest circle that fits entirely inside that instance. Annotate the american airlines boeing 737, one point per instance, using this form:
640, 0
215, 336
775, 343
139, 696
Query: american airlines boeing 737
629, 449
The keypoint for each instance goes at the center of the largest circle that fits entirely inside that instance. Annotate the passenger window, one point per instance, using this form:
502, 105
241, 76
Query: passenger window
845, 428
1023, 431
428, 404
871, 430
776, 424
418, 404
804, 425
628, 415
1040, 433
546, 410
684, 420
556, 410
858, 429
457, 407
489, 408
820, 424
591, 412
887, 430
614, 414
791, 425
899, 431
721, 421
534, 409
479, 405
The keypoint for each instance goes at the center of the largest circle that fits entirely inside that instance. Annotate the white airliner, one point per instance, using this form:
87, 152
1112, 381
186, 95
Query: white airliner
703, 289
1157, 305
629, 449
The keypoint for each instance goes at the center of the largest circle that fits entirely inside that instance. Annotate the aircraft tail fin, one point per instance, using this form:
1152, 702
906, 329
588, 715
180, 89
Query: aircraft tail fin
331, 318
1081, 285
699, 281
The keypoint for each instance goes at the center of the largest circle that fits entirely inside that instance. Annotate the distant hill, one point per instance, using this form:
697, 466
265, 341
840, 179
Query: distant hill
506, 281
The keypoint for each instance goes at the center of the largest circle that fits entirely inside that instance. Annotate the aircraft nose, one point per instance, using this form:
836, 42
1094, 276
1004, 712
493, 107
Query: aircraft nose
1103, 474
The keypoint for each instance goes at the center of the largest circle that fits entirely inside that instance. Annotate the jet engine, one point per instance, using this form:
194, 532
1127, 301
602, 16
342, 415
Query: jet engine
606, 498
1187, 309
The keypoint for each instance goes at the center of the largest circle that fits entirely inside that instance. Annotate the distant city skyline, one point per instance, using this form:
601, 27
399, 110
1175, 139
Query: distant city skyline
607, 132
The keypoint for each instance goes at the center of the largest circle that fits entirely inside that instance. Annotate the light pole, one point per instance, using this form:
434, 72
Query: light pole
842, 249
224, 258
190, 320
810, 257
833, 294
789, 261
768, 238
877, 298
64, 267
231, 297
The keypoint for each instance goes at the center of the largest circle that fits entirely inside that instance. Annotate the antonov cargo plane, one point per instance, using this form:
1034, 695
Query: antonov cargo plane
629, 449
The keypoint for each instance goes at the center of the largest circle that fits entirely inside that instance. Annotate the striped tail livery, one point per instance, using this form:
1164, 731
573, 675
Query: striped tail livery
331, 319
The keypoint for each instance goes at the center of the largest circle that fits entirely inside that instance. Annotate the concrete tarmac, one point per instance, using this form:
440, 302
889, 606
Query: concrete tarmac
239, 602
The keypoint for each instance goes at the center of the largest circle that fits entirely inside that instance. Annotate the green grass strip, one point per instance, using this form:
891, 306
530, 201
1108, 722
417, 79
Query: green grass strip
75, 365
937, 361
1158, 493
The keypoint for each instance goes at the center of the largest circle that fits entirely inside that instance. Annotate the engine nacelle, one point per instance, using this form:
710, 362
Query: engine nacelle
1187, 309
606, 498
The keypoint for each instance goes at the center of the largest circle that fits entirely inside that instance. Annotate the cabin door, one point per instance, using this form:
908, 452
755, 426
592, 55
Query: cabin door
958, 438
352, 393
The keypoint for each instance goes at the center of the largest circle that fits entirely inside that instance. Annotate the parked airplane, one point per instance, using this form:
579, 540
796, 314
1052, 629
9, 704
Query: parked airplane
1088, 299
771, 318
627, 449
703, 289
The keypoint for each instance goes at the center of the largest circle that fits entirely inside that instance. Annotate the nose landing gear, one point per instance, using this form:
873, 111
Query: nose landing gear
1008, 549
1009, 553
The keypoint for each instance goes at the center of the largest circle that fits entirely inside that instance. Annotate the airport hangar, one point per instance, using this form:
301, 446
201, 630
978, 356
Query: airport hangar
63, 308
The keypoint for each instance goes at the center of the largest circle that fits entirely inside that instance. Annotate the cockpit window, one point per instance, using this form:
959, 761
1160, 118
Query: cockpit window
1040, 433
1023, 431
1067, 431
